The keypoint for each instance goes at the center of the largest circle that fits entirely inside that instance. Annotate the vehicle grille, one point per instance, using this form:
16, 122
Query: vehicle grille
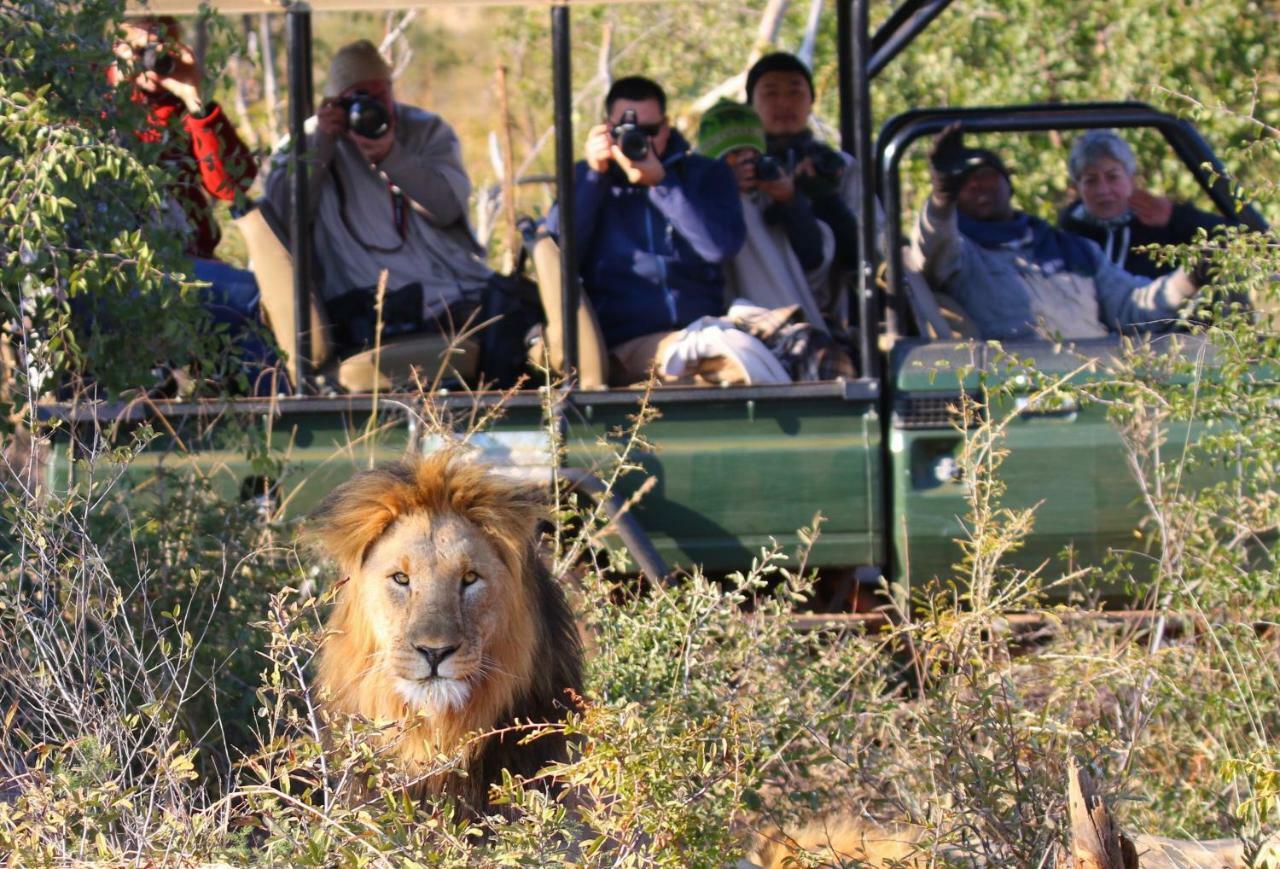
927, 411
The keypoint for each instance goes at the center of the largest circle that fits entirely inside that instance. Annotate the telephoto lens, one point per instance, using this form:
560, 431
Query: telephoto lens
366, 116
827, 163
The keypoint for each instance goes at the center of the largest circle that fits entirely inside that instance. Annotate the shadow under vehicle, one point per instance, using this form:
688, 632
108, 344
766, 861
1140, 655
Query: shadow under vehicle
733, 468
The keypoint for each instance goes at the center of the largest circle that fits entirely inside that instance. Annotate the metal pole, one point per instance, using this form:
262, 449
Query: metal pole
562, 90
844, 57
298, 35
859, 92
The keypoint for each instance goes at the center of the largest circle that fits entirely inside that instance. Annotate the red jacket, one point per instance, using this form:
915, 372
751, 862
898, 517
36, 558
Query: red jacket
211, 161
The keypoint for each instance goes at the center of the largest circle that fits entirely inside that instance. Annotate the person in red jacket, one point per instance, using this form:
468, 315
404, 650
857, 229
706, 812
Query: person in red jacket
210, 159
210, 162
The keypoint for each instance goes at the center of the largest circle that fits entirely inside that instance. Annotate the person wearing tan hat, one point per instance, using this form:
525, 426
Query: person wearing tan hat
388, 191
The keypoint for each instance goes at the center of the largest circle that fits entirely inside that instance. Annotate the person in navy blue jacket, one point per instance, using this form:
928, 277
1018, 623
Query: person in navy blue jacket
653, 232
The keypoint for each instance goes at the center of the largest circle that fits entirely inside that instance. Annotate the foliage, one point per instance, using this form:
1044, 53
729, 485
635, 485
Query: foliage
94, 282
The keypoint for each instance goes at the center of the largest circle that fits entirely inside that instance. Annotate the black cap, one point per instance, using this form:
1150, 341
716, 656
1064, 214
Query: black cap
779, 61
973, 159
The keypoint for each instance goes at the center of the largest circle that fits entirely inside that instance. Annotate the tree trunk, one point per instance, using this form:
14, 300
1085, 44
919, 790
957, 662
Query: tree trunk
269, 86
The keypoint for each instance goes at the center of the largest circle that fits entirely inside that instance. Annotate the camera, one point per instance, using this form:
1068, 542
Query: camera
156, 59
827, 163
366, 116
632, 141
767, 168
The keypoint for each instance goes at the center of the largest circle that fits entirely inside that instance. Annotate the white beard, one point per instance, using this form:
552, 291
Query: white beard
434, 697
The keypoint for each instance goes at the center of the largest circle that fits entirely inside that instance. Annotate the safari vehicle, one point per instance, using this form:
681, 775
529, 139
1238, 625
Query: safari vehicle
732, 468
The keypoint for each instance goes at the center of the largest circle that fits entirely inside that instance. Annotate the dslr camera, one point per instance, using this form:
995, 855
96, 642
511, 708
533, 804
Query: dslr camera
768, 168
156, 59
827, 163
632, 141
366, 116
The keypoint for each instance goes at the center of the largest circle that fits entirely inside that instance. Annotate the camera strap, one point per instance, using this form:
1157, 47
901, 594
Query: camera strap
399, 214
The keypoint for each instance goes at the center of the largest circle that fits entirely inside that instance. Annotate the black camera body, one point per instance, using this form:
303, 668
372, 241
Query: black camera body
631, 140
366, 116
768, 168
156, 59
827, 162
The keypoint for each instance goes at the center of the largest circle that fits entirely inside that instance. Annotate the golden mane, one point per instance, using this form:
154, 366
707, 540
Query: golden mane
536, 656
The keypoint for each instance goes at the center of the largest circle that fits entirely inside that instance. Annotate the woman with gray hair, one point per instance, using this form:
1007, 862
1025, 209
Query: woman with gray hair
1117, 214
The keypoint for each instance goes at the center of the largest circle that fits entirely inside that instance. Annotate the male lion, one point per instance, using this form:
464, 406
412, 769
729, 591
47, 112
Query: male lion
447, 622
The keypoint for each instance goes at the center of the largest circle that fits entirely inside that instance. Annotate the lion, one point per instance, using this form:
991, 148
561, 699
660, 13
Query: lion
447, 623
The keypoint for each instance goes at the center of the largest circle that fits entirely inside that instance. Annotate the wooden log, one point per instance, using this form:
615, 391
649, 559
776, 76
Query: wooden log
1096, 842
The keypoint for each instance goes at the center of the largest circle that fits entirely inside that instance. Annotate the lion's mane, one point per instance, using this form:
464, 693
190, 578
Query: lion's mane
531, 683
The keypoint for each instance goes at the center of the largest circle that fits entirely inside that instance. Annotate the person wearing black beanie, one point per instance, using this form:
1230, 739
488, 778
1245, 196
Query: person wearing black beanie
780, 89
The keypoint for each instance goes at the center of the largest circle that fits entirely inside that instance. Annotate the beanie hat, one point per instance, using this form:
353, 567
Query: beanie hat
354, 63
779, 61
727, 126
973, 159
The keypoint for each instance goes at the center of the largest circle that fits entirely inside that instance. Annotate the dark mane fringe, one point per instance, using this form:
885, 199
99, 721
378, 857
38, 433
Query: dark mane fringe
354, 515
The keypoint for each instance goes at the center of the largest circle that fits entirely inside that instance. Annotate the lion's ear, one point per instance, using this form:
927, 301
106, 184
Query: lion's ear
354, 515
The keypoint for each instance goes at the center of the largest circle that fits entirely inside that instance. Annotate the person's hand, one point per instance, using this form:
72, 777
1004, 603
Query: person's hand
1151, 209
647, 172
183, 80
599, 149
744, 172
944, 160
331, 118
781, 189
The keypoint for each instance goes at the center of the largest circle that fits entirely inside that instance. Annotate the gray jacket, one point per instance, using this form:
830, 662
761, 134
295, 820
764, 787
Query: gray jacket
354, 222
1010, 294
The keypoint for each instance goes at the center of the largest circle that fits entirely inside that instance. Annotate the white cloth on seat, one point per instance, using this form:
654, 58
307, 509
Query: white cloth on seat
717, 337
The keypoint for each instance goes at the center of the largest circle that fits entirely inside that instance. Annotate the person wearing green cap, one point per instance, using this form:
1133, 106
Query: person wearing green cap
788, 251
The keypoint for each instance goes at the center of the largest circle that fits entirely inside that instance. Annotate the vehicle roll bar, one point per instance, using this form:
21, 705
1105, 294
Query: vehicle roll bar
298, 37
900, 131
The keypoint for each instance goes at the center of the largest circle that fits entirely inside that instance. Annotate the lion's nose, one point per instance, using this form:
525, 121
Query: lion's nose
436, 654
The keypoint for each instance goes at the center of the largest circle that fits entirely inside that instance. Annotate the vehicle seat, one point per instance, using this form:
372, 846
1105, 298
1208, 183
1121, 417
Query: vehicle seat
272, 266
939, 316
593, 360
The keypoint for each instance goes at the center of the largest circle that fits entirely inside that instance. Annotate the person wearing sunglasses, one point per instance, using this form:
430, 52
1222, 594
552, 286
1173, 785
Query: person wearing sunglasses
654, 224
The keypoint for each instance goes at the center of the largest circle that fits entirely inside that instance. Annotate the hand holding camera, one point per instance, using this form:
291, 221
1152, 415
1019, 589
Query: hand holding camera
773, 179
163, 66
628, 144
363, 117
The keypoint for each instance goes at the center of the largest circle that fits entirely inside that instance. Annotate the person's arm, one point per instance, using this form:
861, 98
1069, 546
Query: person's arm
226, 165
703, 208
1131, 300
427, 167
939, 243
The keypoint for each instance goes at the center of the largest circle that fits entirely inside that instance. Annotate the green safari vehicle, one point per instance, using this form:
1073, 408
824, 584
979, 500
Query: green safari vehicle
732, 468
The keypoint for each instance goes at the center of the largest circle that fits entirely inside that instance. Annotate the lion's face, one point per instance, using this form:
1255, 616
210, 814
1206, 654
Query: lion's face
436, 592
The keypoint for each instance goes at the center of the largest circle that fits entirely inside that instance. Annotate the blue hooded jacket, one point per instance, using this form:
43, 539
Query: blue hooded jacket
650, 257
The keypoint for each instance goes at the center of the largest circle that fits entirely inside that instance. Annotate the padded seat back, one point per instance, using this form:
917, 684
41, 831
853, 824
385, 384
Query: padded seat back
939, 316
593, 361
272, 266
398, 358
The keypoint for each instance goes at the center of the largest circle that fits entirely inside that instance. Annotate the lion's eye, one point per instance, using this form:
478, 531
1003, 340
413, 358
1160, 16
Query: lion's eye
470, 578
400, 578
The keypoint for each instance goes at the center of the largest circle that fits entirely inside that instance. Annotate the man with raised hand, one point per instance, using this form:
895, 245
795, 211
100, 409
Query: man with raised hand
1015, 275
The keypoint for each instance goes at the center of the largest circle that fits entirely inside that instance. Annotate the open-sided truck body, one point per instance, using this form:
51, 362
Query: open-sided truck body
735, 468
